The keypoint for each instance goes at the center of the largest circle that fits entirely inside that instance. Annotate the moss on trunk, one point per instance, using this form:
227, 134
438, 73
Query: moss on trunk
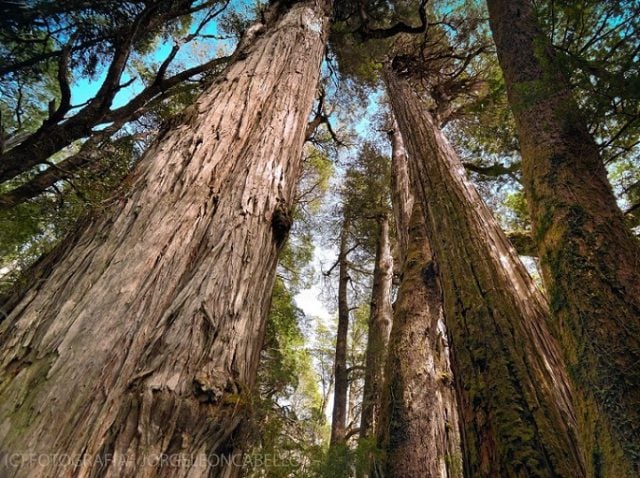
516, 411
589, 258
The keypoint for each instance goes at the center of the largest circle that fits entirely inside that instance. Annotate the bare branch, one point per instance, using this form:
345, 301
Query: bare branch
495, 170
400, 27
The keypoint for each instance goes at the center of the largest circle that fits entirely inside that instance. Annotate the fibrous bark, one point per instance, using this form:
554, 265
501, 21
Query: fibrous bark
516, 412
401, 196
379, 330
419, 430
136, 354
339, 415
588, 256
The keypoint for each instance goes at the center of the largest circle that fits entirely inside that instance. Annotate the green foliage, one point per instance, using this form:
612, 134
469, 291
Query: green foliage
625, 177
296, 257
366, 193
289, 424
342, 461
597, 48
236, 22
33, 228
357, 60
487, 131
518, 218
337, 462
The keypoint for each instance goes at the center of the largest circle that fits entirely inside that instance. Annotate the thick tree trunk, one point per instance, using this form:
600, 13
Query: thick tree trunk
419, 430
589, 258
339, 416
516, 411
379, 330
136, 355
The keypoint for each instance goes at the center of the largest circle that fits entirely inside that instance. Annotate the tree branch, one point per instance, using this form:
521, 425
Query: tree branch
495, 170
63, 83
400, 27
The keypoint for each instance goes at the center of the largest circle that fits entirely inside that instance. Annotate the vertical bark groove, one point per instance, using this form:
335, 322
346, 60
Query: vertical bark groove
419, 429
379, 330
516, 411
589, 258
401, 196
144, 339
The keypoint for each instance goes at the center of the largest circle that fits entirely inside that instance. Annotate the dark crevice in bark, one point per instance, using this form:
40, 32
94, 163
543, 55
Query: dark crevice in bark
155, 315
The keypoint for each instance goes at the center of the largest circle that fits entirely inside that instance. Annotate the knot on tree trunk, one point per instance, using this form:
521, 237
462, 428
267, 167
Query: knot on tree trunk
281, 223
214, 387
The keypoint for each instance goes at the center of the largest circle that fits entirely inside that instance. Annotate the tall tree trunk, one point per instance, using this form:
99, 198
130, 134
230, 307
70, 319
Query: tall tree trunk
339, 416
589, 258
379, 330
516, 411
401, 195
419, 430
136, 354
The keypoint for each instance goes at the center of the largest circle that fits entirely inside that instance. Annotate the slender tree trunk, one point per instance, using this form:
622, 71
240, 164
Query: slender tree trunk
339, 416
589, 258
419, 430
516, 411
401, 196
355, 386
379, 330
136, 354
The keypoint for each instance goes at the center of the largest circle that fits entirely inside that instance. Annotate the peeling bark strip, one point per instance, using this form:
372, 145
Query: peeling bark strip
516, 411
379, 330
419, 430
401, 195
145, 337
589, 258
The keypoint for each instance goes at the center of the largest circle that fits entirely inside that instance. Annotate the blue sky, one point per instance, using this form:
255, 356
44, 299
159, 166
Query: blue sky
84, 89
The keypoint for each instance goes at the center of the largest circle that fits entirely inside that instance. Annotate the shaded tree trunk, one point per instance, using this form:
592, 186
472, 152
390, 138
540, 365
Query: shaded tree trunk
516, 411
379, 330
136, 353
339, 416
419, 430
589, 258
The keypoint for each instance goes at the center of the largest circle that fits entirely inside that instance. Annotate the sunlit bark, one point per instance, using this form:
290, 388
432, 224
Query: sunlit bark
142, 338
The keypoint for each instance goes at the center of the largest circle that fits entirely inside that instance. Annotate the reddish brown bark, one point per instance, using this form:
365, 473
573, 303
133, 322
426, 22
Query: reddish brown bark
419, 431
401, 196
379, 329
144, 338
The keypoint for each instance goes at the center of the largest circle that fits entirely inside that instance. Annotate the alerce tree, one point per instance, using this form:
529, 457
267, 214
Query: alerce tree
143, 335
